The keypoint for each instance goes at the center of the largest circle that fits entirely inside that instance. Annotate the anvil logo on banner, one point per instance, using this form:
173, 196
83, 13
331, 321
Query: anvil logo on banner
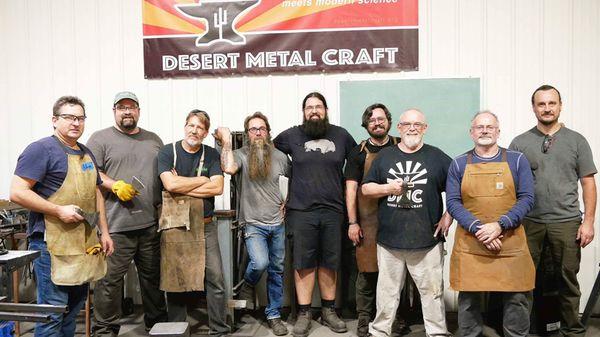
219, 17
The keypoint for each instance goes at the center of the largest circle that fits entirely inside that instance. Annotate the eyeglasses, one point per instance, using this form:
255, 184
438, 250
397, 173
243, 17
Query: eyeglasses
73, 118
480, 128
547, 143
377, 120
123, 108
417, 125
313, 107
257, 130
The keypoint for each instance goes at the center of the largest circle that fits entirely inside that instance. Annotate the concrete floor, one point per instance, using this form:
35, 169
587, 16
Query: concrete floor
254, 326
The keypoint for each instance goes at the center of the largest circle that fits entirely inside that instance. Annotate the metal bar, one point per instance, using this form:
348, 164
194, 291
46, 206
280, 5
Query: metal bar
591, 303
23, 307
19, 316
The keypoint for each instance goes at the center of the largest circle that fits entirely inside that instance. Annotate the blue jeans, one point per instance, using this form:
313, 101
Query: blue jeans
266, 248
73, 297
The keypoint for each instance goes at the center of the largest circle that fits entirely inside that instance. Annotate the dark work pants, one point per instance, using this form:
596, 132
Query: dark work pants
214, 285
515, 322
143, 247
566, 256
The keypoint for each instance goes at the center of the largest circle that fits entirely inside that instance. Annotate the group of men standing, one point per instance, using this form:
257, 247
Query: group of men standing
508, 203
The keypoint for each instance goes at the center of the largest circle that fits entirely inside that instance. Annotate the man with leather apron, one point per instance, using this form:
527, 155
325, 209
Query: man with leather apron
190, 255
408, 181
257, 167
489, 191
56, 178
362, 215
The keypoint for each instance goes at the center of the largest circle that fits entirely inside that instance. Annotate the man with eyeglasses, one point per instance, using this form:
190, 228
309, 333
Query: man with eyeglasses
407, 180
315, 208
126, 154
190, 254
259, 165
560, 158
362, 215
489, 190
57, 180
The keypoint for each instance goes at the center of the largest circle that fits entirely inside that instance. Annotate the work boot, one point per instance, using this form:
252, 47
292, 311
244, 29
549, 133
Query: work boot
362, 328
247, 293
303, 322
277, 326
330, 318
400, 328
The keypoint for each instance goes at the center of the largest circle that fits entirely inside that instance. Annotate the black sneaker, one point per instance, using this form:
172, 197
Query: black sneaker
277, 326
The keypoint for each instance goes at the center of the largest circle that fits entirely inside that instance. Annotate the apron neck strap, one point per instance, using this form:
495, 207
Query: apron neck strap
200, 165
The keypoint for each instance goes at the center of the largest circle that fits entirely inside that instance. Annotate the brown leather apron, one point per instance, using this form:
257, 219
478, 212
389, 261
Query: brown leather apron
488, 191
182, 242
366, 252
67, 242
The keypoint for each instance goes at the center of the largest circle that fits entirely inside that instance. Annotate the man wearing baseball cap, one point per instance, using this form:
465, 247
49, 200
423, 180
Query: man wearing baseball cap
127, 158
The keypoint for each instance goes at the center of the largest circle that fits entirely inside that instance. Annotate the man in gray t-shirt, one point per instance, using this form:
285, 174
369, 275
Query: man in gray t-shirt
559, 158
258, 166
125, 151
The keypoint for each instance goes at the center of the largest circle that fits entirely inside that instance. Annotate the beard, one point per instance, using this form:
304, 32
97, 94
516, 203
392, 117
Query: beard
485, 141
128, 124
259, 158
377, 136
412, 141
316, 129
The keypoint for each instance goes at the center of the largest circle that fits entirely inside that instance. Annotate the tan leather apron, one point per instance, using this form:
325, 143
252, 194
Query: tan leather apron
67, 242
488, 191
366, 252
182, 242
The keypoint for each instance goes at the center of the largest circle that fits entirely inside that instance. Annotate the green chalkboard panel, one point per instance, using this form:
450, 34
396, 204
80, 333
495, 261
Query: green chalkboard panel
448, 104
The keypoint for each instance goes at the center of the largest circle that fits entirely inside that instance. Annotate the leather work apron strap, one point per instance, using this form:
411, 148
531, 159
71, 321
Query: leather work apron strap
182, 242
67, 243
366, 252
488, 192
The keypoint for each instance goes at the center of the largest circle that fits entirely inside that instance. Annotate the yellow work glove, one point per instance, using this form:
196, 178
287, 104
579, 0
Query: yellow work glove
123, 190
93, 250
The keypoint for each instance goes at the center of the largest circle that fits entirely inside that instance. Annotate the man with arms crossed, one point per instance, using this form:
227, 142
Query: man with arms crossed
56, 178
559, 157
408, 180
190, 254
258, 166
489, 191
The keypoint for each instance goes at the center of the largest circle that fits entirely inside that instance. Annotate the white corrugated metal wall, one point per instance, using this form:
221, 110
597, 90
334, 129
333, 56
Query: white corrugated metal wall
94, 49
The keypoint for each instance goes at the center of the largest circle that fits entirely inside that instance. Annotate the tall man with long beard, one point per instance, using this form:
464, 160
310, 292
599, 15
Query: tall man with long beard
122, 152
408, 181
258, 166
316, 208
362, 214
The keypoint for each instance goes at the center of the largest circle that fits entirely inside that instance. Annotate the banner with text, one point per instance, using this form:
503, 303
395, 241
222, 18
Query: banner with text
261, 37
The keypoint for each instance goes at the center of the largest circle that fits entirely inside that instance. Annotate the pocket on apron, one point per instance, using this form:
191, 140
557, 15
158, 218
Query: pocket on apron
175, 211
65, 239
486, 184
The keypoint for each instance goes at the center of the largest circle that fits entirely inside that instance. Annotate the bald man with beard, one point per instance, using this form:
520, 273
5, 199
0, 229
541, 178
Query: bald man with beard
258, 166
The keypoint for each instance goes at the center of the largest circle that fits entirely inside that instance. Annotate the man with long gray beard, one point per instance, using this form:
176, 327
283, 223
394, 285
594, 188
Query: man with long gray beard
316, 208
124, 153
408, 181
258, 166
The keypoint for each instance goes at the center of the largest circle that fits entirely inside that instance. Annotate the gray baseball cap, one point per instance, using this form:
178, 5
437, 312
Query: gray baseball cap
124, 95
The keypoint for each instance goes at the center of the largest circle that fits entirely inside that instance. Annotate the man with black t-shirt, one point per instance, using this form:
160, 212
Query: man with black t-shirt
408, 180
362, 212
190, 258
316, 207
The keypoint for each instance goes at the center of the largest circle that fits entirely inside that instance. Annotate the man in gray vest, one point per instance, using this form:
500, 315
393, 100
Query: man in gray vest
126, 153
258, 166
